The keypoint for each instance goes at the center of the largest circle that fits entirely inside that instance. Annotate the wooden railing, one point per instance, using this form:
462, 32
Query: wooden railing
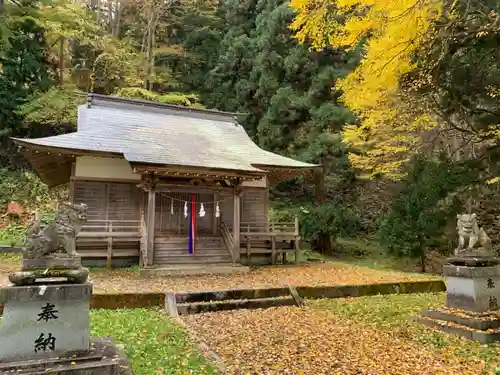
110, 232
275, 238
228, 239
106, 228
278, 228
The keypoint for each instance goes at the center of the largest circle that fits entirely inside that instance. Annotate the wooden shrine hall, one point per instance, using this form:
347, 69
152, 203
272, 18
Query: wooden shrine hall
166, 185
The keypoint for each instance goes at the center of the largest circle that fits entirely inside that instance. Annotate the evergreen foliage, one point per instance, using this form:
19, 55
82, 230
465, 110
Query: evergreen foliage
351, 83
25, 64
281, 88
416, 219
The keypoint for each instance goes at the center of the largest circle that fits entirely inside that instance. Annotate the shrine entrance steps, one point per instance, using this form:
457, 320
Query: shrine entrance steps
173, 250
201, 302
179, 270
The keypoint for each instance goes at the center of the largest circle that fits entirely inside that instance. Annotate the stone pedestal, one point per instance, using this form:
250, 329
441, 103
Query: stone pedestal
44, 321
104, 358
472, 288
38, 270
472, 299
45, 329
51, 262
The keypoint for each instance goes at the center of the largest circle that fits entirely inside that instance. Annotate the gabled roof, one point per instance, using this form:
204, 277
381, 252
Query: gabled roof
151, 133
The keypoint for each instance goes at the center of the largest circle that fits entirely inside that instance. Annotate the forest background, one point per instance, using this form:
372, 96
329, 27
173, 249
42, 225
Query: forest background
398, 100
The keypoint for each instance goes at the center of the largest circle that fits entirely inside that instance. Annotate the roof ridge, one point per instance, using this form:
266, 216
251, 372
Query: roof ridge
140, 102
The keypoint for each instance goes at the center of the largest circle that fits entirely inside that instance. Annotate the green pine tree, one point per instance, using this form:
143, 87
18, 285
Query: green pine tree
26, 69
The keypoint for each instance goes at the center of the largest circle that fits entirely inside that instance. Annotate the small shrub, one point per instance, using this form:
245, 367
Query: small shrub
331, 217
12, 235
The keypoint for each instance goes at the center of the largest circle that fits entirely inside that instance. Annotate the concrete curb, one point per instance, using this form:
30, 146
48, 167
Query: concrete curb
10, 249
145, 300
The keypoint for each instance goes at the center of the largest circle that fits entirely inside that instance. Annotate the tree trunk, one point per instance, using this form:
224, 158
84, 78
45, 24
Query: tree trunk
98, 10
116, 29
110, 16
151, 53
150, 46
61, 61
324, 241
423, 250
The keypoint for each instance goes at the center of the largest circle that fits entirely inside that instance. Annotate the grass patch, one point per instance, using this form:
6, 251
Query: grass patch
394, 313
10, 260
367, 252
153, 343
12, 235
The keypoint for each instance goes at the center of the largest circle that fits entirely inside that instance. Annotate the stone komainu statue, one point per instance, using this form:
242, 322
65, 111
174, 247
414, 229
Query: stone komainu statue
57, 236
469, 232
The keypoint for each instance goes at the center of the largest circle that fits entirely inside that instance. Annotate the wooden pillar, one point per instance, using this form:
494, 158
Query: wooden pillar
236, 223
297, 240
151, 222
215, 221
72, 184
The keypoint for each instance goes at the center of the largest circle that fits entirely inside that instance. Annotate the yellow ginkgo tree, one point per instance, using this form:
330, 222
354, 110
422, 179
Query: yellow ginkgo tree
392, 32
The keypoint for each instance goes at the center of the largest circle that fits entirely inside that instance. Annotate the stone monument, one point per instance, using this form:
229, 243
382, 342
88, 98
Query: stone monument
45, 324
472, 307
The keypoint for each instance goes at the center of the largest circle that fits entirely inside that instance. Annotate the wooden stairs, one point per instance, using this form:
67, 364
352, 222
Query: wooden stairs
174, 250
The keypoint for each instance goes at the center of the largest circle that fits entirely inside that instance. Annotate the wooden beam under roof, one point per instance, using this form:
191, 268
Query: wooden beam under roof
53, 169
193, 172
276, 175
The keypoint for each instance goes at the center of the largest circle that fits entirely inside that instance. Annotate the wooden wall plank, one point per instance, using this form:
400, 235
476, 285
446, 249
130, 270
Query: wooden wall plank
254, 205
109, 201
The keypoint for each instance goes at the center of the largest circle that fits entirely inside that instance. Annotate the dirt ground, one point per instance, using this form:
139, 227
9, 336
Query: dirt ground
291, 340
314, 274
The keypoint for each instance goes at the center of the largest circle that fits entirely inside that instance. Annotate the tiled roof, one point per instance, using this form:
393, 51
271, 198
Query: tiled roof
150, 133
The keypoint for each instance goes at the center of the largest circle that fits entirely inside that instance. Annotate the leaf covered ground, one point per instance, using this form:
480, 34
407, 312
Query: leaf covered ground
153, 343
324, 273
369, 335
315, 274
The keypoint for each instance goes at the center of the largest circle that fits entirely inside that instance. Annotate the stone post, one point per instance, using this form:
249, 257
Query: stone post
44, 320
